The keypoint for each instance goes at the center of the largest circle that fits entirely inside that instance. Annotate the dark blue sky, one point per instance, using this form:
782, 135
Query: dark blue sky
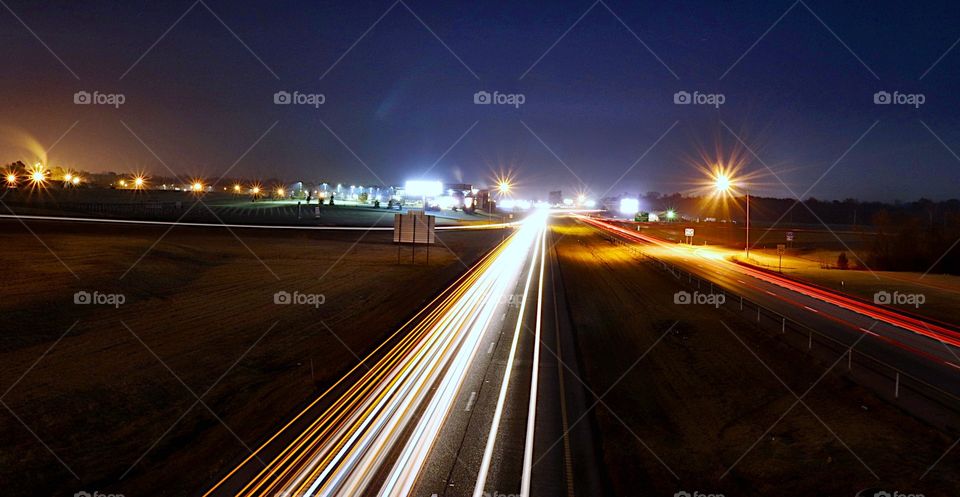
399, 99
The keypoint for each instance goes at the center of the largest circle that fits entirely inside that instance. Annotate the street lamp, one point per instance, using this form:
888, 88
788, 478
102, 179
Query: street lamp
723, 184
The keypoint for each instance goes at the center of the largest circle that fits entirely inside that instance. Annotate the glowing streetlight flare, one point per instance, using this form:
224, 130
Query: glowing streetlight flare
197, 186
722, 183
75, 180
11, 179
139, 182
38, 177
236, 188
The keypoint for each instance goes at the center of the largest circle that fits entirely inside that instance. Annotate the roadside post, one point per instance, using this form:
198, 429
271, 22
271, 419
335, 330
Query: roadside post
780, 250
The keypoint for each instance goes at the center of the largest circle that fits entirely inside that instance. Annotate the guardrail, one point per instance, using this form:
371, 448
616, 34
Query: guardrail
922, 399
145, 208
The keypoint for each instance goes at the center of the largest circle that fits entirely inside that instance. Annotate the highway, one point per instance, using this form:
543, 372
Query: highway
923, 348
462, 400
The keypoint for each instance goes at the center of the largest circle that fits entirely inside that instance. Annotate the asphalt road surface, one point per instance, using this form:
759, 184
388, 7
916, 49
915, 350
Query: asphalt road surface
474, 396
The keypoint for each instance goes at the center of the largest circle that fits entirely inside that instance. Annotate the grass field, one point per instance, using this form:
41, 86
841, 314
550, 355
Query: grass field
813, 258
681, 407
101, 386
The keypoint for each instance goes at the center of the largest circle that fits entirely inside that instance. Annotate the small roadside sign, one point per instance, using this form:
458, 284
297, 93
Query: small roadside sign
789, 236
781, 248
688, 232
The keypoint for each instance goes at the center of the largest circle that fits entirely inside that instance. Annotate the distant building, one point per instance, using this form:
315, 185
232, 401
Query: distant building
556, 198
482, 200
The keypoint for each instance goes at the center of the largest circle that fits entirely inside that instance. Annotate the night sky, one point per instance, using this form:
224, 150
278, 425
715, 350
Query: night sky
399, 99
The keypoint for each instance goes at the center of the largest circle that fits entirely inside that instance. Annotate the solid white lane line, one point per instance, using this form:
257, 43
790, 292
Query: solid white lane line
478, 489
471, 401
532, 410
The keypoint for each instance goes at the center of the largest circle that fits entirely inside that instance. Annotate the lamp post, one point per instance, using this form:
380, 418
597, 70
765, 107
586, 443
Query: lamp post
748, 226
723, 184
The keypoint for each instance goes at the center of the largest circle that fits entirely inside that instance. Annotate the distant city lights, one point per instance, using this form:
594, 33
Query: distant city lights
423, 188
629, 206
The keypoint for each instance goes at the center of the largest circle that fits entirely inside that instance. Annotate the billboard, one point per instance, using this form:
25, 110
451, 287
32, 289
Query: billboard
414, 227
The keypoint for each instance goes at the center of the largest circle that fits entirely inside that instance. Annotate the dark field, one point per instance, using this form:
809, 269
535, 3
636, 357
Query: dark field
694, 405
112, 392
211, 207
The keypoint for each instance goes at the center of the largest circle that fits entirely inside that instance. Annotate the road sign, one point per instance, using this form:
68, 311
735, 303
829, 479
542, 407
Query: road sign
688, 232
413, 227
781, 248
789, 236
